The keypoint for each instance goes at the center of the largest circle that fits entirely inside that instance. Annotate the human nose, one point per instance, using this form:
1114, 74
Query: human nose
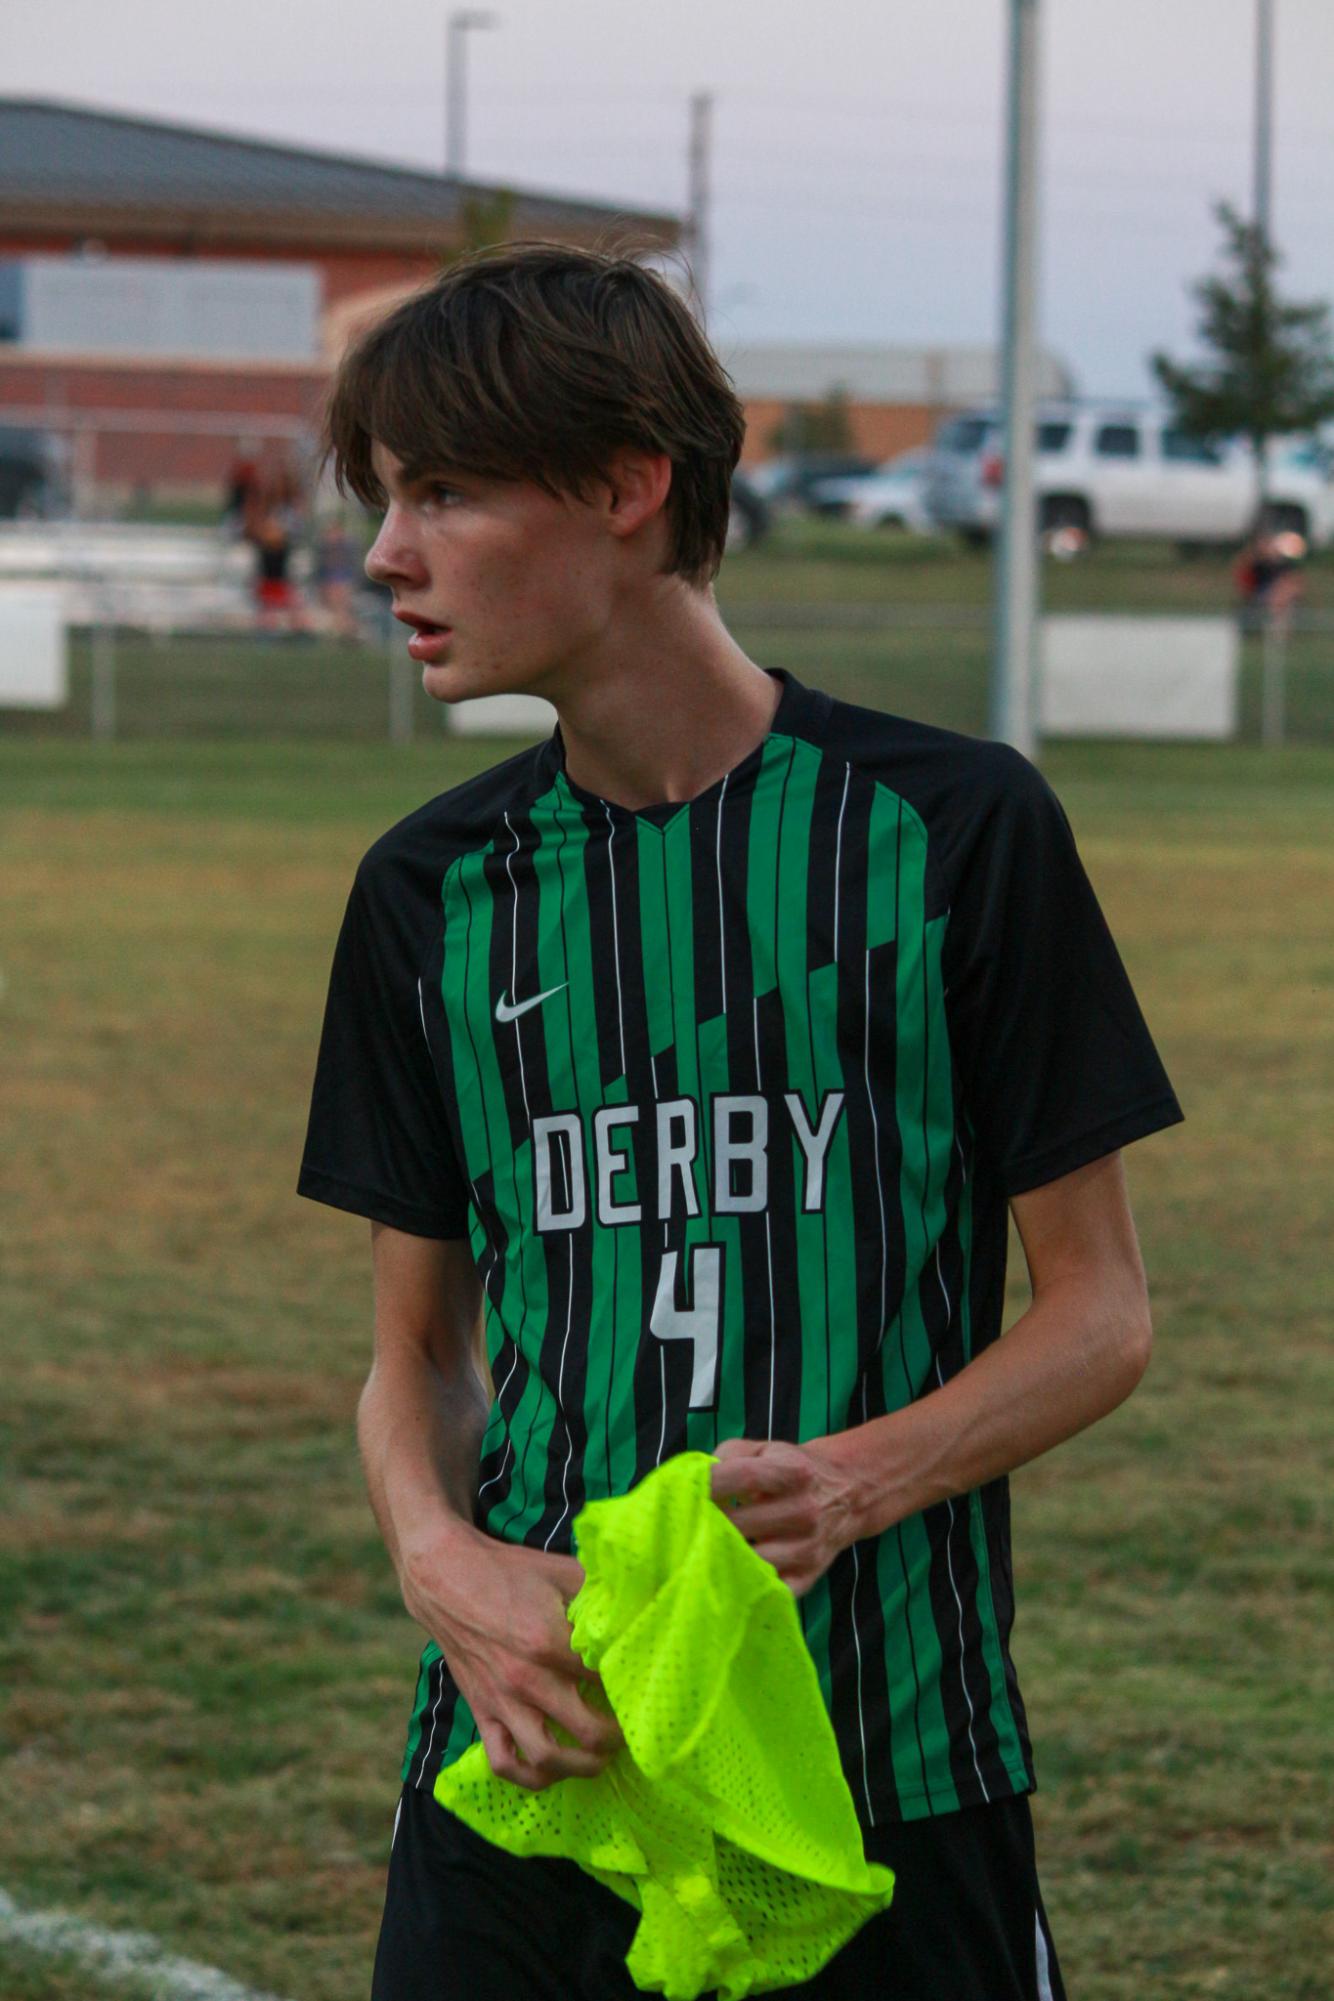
392, 553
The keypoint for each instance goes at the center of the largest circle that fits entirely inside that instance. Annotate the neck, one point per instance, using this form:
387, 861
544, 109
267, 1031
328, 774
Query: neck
665, 715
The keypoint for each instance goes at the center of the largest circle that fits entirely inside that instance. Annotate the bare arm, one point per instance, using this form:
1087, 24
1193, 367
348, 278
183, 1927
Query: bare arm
1071, 1358
495, 1609
424, 1408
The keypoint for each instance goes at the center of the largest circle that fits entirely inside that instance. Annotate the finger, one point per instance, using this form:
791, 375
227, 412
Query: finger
795, 1564
566, 1661
732, 1482
760, 1459
504, 1757
754, 1480
547, 1759
739, 1448
567, 1574
593, 1729
763, 1521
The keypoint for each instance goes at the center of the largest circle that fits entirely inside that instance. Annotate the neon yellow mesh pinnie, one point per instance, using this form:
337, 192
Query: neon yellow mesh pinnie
726, 1820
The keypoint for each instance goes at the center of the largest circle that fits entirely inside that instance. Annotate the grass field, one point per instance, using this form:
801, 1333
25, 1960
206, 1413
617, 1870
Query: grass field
204, 1665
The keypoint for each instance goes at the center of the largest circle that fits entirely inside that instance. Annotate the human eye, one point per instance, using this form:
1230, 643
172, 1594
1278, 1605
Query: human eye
441, 493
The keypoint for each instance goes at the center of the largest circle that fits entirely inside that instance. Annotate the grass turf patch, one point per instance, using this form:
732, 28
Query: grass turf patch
206, 1669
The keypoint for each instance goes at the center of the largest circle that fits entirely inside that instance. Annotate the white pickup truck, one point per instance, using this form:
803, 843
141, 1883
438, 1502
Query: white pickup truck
1112, 470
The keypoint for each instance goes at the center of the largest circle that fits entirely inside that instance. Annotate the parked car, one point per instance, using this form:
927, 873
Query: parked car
748, 521
893, 496
786, 483
32, 481
1116, 471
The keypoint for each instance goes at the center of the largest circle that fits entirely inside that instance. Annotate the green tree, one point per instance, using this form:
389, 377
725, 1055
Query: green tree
815, 427
487, 218
1270, 370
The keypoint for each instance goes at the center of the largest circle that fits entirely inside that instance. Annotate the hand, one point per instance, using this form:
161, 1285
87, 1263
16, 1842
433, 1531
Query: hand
497, 1612
794, 1504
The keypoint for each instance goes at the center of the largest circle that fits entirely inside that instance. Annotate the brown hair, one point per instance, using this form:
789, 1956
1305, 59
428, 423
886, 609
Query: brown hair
535, 361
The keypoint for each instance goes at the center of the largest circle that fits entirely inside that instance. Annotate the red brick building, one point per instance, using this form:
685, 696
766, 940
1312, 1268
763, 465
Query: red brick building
893, 397
77, 182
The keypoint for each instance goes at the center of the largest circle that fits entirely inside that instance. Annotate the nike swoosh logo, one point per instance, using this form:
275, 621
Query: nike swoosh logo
507, 1011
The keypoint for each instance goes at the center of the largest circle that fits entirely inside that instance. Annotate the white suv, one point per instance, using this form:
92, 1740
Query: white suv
1106, 469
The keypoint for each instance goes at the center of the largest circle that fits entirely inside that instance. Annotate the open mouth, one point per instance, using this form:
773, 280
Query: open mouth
429, 639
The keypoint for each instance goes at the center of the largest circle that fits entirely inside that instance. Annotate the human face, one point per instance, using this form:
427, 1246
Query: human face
518, 580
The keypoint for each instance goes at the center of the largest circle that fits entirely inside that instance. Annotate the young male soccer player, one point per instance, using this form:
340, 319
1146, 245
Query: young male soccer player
701, 1050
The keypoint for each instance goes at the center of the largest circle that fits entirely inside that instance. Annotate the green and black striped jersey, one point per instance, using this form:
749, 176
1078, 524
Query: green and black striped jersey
729, 1097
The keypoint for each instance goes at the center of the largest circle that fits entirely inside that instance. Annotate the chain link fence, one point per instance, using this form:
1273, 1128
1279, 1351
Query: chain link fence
127, 682
166, 634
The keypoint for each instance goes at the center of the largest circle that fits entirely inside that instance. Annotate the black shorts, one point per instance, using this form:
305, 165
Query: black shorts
466, 1921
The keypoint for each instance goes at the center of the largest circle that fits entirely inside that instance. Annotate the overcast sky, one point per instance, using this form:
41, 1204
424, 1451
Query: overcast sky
856, 164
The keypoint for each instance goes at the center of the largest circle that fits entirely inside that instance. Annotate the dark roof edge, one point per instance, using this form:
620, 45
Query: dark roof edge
312, 230
354, 161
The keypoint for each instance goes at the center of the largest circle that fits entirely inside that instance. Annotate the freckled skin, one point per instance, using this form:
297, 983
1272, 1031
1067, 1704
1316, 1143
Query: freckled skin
524, 580
581, 601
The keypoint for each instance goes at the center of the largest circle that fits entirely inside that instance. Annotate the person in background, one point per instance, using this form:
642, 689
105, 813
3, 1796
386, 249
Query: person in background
338, 557
241, 477
1268, 574
270, 519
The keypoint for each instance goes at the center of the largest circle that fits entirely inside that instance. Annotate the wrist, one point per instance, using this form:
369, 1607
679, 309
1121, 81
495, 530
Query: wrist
869, 1459
436, 1551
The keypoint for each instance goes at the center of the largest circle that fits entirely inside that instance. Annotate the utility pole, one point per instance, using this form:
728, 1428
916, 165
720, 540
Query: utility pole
456, 87
1014, 673
1264, 115
697, 225
1263, 171
1276, 625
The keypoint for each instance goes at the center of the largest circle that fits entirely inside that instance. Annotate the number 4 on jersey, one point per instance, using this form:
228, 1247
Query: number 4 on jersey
698, 1323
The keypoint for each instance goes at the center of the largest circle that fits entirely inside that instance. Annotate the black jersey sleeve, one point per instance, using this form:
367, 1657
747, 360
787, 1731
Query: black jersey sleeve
1055, 1063
378, 1141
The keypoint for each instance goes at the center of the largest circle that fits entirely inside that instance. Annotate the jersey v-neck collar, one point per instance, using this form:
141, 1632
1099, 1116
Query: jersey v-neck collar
797, 714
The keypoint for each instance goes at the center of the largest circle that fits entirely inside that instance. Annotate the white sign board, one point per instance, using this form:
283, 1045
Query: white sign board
503, 715
1108, 675
219, 307
34, 662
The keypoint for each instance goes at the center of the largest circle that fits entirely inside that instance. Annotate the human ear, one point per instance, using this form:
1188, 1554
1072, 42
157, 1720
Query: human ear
637, 486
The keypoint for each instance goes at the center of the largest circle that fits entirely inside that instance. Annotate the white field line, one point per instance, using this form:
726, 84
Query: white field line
118, 1956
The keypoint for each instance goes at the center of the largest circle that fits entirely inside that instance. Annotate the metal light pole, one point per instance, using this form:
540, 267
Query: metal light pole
1274, 624
456, 86
1264, 114
1014, 675
1262, 167
697, 227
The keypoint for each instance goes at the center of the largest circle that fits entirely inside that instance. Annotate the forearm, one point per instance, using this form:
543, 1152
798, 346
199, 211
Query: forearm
420, 1435
1065, 1363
